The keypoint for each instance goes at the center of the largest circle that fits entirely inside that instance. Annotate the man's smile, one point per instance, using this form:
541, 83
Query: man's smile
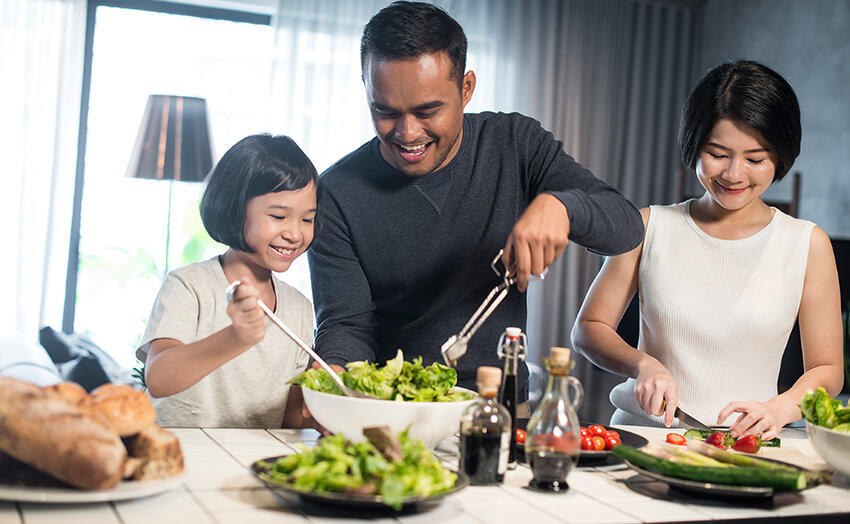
412, 153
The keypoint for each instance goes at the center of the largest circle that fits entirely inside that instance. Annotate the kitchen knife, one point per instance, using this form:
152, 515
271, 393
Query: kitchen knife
689, 421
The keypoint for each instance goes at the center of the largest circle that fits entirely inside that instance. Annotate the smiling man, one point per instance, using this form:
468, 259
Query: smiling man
413, 217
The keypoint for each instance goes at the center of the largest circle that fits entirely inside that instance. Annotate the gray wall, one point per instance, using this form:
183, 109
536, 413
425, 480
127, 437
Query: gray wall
807, 42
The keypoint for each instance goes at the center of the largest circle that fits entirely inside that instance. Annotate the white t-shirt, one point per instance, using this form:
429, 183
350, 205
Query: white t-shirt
717, 313
248, 391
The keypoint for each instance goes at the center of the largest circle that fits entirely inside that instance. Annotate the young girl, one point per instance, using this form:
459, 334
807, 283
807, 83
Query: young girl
722, 278
210, 363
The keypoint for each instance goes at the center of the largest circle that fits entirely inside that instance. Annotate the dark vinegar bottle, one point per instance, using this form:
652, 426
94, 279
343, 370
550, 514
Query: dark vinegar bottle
485, 433
511, 348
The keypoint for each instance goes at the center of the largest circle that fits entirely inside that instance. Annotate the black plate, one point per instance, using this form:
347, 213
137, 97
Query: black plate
708, 488
349, 500
592, 458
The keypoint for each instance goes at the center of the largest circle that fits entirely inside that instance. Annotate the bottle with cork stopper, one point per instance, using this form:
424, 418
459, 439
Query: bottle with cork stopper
552, 445
485, 432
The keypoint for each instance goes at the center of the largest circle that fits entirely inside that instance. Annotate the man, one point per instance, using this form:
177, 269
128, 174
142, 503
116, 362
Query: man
412, 219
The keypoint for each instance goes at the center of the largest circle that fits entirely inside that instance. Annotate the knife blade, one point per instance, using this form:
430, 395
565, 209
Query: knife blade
689, 421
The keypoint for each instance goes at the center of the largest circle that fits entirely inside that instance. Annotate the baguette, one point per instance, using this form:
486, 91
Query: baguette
69, 392
74, 446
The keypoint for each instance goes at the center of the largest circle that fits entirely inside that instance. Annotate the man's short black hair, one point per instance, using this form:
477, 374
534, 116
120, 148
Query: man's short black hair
748, 92
254, 166
413, 29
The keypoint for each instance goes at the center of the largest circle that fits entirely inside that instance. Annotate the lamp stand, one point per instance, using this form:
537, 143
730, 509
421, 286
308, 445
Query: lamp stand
168, 229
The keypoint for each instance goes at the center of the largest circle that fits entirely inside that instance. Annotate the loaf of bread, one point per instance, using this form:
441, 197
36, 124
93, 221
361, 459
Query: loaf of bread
154, 453
73, 445
128, 410
69, 392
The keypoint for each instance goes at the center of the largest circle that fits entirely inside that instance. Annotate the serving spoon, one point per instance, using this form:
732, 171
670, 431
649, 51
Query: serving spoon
347, 391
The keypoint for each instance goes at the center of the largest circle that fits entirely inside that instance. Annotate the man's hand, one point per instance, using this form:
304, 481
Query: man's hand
537, 239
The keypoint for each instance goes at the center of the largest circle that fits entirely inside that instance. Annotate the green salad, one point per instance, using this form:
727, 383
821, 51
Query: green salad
337, 465
820, 409
397, 380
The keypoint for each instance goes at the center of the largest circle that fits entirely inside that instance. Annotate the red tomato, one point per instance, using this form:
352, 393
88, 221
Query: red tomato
675, 438
598, 443
586, 444
520, 435
596, 430
611, 441
585, 432
611, 433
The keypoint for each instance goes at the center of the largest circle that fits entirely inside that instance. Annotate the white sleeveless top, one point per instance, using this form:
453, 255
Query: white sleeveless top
717, 313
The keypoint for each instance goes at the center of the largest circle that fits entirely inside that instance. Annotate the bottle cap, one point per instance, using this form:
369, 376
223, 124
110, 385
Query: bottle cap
513, 332
488, 378
559, 356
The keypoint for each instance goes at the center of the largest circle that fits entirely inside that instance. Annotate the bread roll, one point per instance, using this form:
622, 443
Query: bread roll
128, 410
154, 453
69, 392
76, 447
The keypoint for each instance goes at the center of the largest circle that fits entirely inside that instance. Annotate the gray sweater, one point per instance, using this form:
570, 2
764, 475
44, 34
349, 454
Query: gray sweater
402, 262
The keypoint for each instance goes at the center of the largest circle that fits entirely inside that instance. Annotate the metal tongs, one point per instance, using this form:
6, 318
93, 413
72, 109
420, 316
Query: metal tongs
455, 347
347, 391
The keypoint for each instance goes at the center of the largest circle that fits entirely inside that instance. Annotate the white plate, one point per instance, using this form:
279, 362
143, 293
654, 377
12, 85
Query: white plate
131, 489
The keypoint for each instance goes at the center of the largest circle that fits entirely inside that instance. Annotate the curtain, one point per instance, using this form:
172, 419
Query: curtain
41, 63
608, 78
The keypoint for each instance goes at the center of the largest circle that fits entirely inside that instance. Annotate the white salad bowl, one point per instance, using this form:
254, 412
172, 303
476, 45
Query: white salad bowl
429, 421
833, 446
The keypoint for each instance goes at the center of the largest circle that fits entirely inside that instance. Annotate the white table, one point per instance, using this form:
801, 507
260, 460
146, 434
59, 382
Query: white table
219, 488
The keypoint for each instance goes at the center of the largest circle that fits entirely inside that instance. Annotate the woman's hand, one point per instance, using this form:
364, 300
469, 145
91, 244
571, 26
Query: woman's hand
656, 391
757, 418
249, 323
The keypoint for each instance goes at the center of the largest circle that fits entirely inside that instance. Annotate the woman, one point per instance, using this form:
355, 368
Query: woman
722, 278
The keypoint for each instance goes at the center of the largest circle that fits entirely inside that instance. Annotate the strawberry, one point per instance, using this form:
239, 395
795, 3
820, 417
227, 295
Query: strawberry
719, 439
747, 444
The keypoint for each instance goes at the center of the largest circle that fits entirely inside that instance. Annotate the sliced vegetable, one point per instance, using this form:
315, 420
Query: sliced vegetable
737, 476
694, 433
675, 438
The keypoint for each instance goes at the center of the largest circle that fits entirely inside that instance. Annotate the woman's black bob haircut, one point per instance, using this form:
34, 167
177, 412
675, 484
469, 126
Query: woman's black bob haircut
748, 92
254, 166
413, 29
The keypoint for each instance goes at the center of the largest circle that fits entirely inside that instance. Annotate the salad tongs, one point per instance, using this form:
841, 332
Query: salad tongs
456, 346
347, 391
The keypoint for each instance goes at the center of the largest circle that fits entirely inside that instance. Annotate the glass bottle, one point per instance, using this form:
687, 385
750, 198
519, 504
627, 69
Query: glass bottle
552, 445
485, 432
511, 347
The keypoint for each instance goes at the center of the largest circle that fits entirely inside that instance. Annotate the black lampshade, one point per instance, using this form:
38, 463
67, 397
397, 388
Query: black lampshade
173, 141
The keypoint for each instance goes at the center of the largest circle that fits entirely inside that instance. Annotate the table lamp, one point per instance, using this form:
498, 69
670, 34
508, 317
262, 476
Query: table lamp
173, 144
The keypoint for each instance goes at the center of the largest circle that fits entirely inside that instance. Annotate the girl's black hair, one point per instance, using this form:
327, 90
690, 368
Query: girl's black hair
254, 166
748, 92
413, 29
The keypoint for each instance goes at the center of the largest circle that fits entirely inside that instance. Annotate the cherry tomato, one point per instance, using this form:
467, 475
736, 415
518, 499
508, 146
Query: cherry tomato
597, 431
598, 443
675, 438
520, 435
586, 444
585, 432
611, 441
611, 433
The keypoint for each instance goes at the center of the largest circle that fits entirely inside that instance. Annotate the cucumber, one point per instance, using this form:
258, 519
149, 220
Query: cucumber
779, 479
703, 434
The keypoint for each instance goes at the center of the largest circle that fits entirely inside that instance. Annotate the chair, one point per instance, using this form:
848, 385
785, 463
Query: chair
789, 207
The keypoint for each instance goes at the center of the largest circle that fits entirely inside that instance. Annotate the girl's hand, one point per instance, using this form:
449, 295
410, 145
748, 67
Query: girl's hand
757, 418
249, 322
655, 386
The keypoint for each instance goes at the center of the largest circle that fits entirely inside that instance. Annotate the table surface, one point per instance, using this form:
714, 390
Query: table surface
219, 488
